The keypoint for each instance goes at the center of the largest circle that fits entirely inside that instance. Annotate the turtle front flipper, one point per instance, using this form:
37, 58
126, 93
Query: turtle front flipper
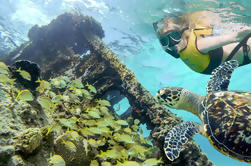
178, 137
220, 77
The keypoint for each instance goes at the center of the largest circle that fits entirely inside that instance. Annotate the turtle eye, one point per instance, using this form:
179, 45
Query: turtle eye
163, 96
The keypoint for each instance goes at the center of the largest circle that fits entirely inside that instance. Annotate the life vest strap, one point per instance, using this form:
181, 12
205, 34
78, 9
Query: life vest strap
246, 49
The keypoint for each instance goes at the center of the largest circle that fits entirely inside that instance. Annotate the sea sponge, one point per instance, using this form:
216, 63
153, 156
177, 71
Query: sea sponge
29, 140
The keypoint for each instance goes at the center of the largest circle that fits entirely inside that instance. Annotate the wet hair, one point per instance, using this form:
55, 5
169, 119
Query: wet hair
181, 20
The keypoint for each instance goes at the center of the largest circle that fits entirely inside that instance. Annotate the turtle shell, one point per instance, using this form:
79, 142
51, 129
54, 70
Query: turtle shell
227, 122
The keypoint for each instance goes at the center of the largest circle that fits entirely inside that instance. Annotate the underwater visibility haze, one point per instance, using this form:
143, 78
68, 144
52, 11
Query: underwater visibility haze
126, 29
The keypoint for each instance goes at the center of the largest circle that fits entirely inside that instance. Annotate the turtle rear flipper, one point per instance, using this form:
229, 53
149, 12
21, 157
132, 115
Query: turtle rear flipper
220, 77
178, 137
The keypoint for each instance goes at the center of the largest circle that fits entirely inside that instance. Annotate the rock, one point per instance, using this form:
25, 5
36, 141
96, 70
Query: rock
65, 146
32, 68
16, 161
52, 45
6, 152
29, 140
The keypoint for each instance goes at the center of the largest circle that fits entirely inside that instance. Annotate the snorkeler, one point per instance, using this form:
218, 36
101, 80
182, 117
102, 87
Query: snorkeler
190, 37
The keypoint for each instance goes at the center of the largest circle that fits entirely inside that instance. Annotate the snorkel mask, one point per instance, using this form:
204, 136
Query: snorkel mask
169, 39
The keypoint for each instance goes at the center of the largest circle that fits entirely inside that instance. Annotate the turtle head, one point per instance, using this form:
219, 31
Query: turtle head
169, 96
180, 98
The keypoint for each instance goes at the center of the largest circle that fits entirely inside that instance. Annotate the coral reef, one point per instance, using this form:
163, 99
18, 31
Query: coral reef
29, 140
62, 108
80, 129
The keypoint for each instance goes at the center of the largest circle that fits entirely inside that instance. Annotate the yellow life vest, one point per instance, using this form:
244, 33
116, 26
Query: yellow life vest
191, 56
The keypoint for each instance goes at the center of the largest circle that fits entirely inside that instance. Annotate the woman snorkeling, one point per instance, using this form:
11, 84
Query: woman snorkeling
191, 38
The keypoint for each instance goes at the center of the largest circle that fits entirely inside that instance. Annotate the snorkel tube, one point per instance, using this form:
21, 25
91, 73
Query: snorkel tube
173, 52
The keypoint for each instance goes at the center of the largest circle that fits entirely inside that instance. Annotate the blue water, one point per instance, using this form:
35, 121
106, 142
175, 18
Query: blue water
129, 33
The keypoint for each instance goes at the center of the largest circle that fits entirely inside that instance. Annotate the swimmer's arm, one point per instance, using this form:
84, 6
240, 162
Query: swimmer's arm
212, 42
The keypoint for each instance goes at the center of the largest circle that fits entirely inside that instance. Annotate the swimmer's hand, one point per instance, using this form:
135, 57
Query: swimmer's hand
243, 33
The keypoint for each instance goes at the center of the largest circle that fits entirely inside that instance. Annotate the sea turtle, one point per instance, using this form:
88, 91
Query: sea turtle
225, 116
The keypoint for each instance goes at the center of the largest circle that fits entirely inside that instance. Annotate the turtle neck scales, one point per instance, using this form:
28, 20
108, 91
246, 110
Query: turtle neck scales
190, 101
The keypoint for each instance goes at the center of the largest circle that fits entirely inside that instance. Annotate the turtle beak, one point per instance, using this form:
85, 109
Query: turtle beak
161, 92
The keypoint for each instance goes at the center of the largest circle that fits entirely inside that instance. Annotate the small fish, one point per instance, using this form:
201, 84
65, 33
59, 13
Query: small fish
3, 68
4, 78
24, 95
24, 74
56, 160
91, 88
